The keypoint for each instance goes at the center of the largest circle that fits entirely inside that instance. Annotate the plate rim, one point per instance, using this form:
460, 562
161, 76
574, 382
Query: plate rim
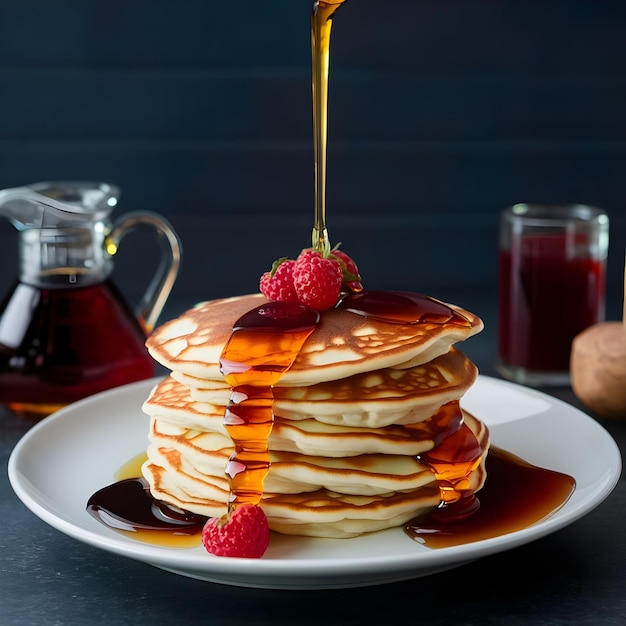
379, 568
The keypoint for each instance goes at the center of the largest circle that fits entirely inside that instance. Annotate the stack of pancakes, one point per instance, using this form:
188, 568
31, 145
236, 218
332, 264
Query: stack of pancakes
343, 461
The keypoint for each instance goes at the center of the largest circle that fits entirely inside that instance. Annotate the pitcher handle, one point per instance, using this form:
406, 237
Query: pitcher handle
152, 303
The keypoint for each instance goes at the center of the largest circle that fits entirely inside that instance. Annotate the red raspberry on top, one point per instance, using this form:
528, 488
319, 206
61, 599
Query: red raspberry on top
244, 533
313, 279
351, 276
317, 280
277, 284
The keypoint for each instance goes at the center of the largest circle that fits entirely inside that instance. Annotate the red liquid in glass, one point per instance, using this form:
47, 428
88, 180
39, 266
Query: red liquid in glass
545, 300
60, 345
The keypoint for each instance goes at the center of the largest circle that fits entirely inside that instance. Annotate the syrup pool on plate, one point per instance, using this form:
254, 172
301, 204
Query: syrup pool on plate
516, 495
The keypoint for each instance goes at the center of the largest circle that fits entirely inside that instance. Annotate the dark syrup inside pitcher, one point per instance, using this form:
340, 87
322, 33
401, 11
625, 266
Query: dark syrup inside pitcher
66, 331
59, 345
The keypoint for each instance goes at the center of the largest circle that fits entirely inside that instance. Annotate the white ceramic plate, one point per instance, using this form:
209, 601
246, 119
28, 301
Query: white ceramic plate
64, 459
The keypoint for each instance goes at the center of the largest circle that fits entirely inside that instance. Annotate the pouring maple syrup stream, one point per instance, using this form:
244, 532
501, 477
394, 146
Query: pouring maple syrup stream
321, 23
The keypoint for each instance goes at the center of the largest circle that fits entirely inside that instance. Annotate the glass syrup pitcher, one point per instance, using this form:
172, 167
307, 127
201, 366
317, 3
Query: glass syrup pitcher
66, 331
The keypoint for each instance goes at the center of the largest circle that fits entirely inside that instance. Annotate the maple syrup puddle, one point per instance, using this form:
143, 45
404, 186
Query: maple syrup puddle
516, 495
127, 507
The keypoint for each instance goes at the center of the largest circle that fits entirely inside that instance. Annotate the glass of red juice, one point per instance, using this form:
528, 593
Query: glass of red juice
552, 274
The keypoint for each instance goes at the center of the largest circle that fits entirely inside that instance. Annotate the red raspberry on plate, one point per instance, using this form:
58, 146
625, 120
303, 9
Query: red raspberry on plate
277, 284
244, 533
351, 276
317, 280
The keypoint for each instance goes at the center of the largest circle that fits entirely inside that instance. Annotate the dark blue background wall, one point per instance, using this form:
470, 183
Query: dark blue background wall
442, 112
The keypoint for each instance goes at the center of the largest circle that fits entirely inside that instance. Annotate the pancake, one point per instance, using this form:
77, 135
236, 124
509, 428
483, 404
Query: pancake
372, 399
204, 456
171, 403
343, 343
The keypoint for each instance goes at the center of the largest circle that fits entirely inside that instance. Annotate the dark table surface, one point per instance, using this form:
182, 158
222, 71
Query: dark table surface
574, 576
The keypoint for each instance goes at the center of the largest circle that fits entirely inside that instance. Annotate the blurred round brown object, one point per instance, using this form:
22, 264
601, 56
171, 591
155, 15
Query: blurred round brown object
598, 369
